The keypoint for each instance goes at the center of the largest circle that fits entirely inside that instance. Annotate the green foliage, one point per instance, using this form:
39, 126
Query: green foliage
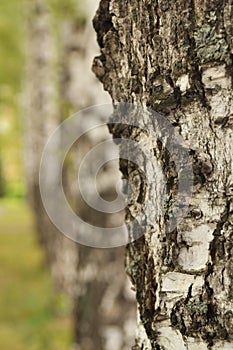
11, 73
15, 189
69, 9
31, 317
11, 57
2, 181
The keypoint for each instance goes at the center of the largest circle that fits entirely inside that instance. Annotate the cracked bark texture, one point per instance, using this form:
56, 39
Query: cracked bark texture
175, 57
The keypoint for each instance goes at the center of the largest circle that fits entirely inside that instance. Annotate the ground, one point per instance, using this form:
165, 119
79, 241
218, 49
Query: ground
31, 318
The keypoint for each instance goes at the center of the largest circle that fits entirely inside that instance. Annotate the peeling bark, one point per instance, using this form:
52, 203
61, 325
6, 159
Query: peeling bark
175, 57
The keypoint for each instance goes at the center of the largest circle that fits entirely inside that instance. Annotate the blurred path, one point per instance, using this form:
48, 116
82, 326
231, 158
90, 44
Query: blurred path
30, 318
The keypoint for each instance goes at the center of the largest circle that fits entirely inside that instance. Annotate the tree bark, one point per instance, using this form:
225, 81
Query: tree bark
175, 57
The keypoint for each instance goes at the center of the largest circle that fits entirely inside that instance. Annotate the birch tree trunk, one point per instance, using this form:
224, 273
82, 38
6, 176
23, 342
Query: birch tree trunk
103, 289
175, 57
59, 83
43, 116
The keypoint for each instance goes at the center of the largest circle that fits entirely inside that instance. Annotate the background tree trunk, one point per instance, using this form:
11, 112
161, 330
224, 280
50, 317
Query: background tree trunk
60, 83
42, 116
175, 57
103, 289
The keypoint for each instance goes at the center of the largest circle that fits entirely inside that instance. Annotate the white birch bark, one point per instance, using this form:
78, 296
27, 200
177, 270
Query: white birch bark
175, 57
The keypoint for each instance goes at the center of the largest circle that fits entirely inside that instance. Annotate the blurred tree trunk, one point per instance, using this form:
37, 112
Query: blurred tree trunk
103, 290
175, 57
42, 116
59, 83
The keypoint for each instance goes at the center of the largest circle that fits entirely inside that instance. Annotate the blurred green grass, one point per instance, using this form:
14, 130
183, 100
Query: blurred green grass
31, 317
